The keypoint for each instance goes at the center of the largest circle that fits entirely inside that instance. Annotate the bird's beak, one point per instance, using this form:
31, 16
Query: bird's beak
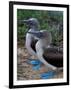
22, 21
37, 34
25, 21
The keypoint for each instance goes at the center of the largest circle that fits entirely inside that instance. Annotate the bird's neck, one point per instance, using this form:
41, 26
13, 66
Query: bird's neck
33, 29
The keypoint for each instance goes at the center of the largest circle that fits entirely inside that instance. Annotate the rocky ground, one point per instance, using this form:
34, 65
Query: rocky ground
24, 69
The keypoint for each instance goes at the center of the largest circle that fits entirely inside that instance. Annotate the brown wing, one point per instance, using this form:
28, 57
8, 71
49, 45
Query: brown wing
54, 56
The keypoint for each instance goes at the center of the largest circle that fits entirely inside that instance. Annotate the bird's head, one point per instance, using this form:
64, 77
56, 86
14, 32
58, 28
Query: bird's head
32, 22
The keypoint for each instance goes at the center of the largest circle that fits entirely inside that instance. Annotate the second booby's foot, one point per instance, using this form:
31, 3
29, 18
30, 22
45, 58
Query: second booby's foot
51, 74
48, 75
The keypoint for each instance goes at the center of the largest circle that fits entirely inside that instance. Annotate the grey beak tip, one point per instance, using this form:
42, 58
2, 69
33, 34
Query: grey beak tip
22, 21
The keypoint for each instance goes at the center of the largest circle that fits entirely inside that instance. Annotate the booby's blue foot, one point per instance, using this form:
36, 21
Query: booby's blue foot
36, 64
48, 75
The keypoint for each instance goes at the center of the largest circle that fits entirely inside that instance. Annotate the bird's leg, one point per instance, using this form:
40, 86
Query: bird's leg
40, 56
31, 56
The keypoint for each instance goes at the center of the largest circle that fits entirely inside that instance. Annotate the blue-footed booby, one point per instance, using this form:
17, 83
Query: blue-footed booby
51, 57
33, 25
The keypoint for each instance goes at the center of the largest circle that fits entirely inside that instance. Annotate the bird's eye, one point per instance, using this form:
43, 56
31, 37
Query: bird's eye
30, 22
